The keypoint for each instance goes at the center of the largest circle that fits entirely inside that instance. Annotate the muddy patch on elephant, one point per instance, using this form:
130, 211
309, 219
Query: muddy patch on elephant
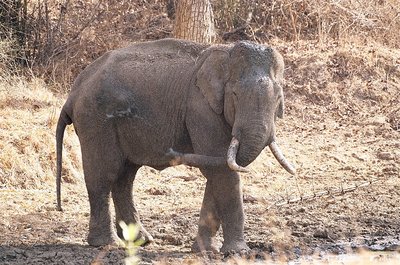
341, 131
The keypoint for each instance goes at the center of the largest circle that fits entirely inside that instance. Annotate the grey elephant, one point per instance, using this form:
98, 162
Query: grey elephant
170, 102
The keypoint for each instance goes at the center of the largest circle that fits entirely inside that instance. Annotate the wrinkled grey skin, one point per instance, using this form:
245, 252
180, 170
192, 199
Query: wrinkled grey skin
132, 105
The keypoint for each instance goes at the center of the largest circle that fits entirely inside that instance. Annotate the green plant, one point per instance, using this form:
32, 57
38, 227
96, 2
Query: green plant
131, 244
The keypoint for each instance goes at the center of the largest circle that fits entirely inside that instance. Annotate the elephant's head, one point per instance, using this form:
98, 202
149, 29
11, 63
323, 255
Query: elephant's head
244, 83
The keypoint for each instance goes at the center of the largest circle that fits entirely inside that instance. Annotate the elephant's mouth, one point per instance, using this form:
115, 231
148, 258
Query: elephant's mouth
233, 149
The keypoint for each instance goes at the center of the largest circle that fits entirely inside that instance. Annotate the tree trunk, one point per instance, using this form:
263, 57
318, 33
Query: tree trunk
194, 21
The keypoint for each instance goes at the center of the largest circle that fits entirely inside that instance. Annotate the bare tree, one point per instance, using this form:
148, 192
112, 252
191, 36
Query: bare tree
194, 21
13, 16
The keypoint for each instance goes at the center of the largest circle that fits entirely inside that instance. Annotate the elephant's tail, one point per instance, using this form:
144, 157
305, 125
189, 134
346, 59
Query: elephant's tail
63, 121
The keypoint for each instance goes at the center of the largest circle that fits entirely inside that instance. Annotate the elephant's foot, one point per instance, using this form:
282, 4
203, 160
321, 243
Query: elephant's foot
101, 239
234, 247
201, 245
145, 237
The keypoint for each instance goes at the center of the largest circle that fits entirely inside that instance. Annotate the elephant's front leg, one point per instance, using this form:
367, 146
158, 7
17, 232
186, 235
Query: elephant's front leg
209, 223
223, 201
222, 205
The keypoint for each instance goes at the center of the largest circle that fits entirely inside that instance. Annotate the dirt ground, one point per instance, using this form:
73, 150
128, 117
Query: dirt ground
341, 129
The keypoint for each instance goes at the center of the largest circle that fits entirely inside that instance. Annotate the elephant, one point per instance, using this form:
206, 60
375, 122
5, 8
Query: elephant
168, 102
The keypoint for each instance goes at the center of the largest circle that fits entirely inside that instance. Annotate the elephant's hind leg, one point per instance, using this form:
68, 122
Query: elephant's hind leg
100, 230
123, 201
101, 171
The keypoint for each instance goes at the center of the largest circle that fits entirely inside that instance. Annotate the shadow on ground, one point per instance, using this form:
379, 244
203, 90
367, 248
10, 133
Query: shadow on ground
60, 254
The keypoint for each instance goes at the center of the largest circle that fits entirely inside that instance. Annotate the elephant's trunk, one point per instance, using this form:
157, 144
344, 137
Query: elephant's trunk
231, 156
232, 152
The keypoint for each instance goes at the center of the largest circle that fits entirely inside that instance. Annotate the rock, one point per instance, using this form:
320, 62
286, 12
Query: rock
302, 210
362, 157
385, 155
247, 198
376, 120
321, 234
156, 191
298, 234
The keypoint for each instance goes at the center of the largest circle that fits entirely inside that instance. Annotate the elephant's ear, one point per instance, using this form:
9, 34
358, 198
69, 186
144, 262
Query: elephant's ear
212, 77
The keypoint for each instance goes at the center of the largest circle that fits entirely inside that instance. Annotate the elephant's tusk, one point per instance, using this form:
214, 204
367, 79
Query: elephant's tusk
231, 156
276, 151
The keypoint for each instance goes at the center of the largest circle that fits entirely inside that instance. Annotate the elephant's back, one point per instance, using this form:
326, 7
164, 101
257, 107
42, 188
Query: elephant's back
143, 82
166, 46
136, 81
139, 58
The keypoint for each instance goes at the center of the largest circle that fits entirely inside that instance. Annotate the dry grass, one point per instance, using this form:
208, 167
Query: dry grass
325, 20
27, 123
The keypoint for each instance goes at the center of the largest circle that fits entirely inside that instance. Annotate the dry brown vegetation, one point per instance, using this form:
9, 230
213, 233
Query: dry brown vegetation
58, 38
325, 21
341, 128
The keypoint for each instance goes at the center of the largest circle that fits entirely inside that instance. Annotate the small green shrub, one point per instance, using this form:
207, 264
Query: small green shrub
130, 233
